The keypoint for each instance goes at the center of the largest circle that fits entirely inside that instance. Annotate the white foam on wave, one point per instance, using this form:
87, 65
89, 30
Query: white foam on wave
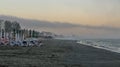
100, 46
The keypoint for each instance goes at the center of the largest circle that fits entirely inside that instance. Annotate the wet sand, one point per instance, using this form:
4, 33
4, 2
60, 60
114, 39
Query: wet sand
58, 53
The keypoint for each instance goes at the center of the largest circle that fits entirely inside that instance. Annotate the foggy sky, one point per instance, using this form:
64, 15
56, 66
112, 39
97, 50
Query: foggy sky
97, 18
83, 31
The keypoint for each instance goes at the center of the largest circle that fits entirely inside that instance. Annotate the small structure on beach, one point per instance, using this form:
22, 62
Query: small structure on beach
11, 31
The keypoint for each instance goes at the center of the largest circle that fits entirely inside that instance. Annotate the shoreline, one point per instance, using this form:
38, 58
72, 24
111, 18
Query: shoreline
102, 47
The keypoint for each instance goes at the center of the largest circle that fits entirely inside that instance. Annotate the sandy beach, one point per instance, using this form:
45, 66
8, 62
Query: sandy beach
58, 53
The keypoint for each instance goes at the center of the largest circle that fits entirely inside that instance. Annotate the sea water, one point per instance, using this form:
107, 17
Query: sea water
107, 44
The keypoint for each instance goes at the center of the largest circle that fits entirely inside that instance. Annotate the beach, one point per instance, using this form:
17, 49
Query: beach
58, 53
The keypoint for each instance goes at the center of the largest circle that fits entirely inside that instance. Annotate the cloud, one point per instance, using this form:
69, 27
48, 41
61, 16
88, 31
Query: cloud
67, 28
29, 23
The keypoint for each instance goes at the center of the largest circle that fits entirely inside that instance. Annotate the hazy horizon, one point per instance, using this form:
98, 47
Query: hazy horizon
96, 18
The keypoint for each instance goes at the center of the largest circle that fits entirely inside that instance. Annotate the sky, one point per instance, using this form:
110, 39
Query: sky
85, 12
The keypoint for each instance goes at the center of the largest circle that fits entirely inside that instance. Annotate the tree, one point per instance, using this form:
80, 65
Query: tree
8, 26
1, 25
30, 33
16, 25
33, 33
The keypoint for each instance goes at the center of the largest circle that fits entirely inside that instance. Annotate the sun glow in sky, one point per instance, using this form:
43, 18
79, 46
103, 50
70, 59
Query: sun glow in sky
87, 12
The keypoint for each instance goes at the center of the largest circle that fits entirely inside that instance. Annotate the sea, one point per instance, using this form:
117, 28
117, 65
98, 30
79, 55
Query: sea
107, 44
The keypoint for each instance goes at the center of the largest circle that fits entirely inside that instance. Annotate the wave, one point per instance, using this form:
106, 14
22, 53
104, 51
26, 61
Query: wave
106, 45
